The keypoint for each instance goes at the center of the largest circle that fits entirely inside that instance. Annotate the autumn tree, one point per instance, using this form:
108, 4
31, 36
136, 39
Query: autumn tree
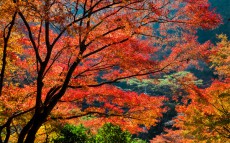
207, 117
221, 57
73, 50
204, 116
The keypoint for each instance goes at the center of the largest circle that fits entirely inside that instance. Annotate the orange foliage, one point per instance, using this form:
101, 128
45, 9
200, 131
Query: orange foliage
221, 57
66, 53
205, 115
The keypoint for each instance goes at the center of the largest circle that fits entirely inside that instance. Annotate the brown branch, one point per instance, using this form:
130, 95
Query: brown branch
93, 69
120, 78
31, 37
80, 19
6, 40
104, 47
98, 24
9, 121
53, 61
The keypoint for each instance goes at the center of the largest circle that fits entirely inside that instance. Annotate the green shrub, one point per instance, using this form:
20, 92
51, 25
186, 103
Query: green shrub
73, 134
108, 133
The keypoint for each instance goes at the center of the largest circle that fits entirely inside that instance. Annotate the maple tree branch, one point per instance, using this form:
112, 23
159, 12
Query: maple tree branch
92, 7
53, 61
81, 22
47, 40
64, 86
6, 40
227, 129
106, 33
117, 79
148, 35
221, 133
39, 38
43, 64
98, 24
80, 19
50, 94
102, 48
31, 37
88, 69
9, 121
93, 69
73, 67
25, 130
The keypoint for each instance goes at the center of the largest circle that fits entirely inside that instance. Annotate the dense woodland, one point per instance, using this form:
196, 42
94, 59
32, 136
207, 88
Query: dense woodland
108, 71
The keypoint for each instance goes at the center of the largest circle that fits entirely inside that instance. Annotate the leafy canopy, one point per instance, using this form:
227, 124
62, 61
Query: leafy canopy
60, 57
